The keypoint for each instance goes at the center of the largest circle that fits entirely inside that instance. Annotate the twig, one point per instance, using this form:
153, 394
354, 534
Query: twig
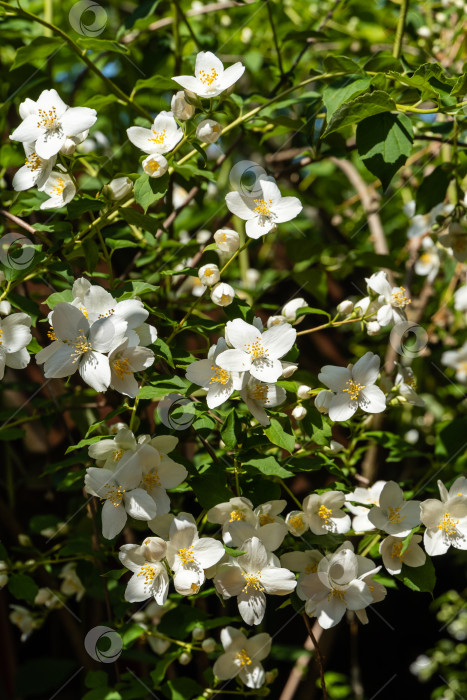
396, 52
318, 653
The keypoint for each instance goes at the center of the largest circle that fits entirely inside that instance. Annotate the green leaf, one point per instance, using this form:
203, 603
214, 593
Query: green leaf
342, 91
433, 188
419, 578
11, 433
157, 83
91, 254
181, 689
460, 87
277, 435
383, 61
360, 108
119, 243
94, 44
96, 679
135, 218
233, 552
210, 487
162, 665
341, 64
57, 297
83, 204
268, 466
85, 442
384, 143
40, 48
99, 102
148, 190
231, 431
23, 587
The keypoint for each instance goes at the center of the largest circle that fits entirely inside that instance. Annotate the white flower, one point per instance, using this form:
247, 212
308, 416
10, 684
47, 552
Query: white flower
71, 142
256, 352
237, 509
119, 187
373, 328
457, 359
406, 385
155, 165
60, 188
421, 224
208, 131
353, 388
392, 300
109, 451
240, 522
259, 395
429, 261
35, 171
455, 240
15, 334
124, 361
299, 412
460, 298
342, 582
209, 275
159, 474
249, 577
218, 382
150, 577
446, 520
227, 240
289, 310
394, 515
189, 555
223, 294
303, 391
323, 400
79, 345
49, 121
23, 619
304, 562
161, 138
369, 496
263, 213
121, 494
242, 657
71, 584
96, 303
321, 514
181, 109
393, 557
210, 78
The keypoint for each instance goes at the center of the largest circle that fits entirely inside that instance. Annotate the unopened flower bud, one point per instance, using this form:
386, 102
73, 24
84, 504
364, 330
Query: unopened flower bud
323, 400
203, 236
155, 165
275, 320
3, 580
373, 328
24, 540
208, 131
252, 276
227, 240
290, 309
181, 109
303, 391
345, 307
223, 294
209, 645
118, 188
5, 307
198, 634
299, 412
209, 275
184, 658
288, 368
68, 147
336, 447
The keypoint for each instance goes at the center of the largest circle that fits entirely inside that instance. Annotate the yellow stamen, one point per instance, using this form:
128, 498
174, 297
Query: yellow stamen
448, 524
33, 162
114, 494
81, 345
159, 136
153, 165
394, 515
208, 77
324, 513
117, 455
51, 334
335, 593
399, 298
252, 581
149, 573
121, 367
263, 207
186, 555
353, 389
260, 393
48, 118
236, 515
243, 657
256, 349
296, 521
59, 186
265, 519
151, 480
396, 551
220, 376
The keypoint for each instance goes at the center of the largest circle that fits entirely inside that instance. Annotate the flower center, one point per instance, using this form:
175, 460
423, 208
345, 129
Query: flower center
220, 376
260, 393
255, 349
114, 494
252, 581
159, 136
311, 569
296, 521
81, 345
426, 258
208, 272
153, 165
59, 186
48, 118
448, 524
236, 515
399, 298
225, 299
149, 573
51, 334
117, 455
1, 333
396, 551
121, 367
263, 207
151, 480
335, 593
325, 513
208, 77
394, 515
33, 162
353, 389
186, 555
85, 312
265, 519
243, 657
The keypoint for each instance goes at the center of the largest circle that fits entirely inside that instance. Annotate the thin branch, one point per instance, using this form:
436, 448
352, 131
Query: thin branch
318, 653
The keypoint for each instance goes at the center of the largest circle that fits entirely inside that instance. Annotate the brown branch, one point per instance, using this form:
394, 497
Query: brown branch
318, 653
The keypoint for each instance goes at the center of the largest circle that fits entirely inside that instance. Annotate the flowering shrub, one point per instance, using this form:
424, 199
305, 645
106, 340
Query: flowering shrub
232, 342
